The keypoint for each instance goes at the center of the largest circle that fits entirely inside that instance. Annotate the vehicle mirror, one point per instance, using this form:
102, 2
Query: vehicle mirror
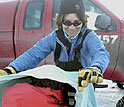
103, 22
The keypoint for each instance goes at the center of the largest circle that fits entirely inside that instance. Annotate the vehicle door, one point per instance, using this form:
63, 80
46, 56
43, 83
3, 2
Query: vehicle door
30, 26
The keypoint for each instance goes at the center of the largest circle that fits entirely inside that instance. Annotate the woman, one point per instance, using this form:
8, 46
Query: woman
74, 46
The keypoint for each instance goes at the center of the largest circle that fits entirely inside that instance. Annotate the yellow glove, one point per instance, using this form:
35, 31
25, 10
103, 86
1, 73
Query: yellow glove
7, 71
89, 75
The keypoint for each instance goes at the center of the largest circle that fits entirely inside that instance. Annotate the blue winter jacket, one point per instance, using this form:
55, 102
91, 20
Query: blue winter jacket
93, 52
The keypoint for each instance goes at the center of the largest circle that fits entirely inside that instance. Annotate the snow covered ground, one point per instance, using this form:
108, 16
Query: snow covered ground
108, 97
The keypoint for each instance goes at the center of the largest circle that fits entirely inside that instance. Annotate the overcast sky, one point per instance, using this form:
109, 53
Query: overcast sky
117, 6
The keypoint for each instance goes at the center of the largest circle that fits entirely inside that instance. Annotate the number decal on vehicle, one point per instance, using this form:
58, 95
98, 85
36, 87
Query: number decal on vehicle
108, 38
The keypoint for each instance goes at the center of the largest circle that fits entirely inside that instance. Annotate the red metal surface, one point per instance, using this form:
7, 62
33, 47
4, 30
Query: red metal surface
7, 11
7, 14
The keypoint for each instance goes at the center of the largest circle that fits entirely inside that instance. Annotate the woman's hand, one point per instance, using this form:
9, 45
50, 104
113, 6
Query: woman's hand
89, 75
7, 71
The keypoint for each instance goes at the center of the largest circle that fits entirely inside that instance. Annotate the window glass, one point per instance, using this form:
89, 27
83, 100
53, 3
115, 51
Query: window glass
55, 10
33, 15
92, 11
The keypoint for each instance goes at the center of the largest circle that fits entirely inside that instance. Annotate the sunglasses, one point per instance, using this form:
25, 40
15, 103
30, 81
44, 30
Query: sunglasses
69, 23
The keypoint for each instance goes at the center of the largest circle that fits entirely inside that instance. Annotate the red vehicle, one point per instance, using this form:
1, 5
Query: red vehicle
24, 22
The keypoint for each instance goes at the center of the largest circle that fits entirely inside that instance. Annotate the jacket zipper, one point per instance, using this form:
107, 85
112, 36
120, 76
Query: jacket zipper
63, 49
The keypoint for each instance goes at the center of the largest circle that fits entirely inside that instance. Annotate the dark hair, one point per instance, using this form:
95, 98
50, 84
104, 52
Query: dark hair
83, 18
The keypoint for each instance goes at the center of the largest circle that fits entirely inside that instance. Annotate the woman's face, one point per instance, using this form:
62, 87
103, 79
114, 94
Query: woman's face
71, 24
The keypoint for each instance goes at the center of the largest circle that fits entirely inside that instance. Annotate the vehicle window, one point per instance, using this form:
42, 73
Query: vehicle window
33, 15
92, 11
55, 10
